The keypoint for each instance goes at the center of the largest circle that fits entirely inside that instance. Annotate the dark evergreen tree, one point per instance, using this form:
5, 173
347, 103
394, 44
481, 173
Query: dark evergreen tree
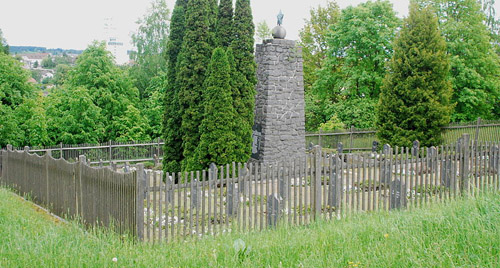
243, 51
224, 25
172, 117
217, 141
194, 59
415, 97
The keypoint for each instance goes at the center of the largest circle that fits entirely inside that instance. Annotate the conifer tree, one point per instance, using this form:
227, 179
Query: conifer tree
244, 60
217, 141
192, 64
224, 23
415, 97
172, 116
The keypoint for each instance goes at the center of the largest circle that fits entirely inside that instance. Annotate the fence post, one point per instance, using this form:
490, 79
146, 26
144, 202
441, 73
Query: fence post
110, 152
464, 165
350, 147
139, 201
47, 177
317, 183
476, 138
82, 161
319, 137
61, 150
6, 168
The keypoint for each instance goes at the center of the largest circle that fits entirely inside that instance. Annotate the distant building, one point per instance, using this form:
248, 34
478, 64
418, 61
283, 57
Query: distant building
29, 59
113, 43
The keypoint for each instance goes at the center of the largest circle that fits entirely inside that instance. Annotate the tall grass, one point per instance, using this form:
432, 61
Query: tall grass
464, 233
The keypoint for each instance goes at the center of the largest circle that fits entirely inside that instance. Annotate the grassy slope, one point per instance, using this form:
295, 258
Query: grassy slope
461, 234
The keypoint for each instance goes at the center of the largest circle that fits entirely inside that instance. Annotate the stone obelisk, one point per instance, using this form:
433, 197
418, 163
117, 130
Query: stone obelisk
279, 126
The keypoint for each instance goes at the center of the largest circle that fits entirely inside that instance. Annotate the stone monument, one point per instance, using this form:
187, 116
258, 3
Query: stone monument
279, 126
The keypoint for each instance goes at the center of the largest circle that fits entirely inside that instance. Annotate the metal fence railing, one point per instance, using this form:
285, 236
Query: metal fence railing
362, 139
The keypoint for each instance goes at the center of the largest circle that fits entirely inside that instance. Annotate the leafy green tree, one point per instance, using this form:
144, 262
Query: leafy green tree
263, 32
14, 85
4, 47
150, 40
217, 141
358, 48
61, 72
415, 100
314, 42
172, 135
109, 87
474, 64
10, 132
244, 62
32, 122
73, 117
224, 32
313, 39
131, 126
48, 63
35, 65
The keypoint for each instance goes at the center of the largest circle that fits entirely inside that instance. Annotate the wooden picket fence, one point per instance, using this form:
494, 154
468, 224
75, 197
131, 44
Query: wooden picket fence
158, 207
256, 196
95, 196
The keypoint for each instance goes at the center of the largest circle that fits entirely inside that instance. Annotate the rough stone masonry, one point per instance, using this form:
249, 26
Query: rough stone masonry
279, 126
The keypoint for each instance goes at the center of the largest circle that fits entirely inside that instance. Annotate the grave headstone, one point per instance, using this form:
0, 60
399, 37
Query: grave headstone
169, 184
126, 168
195, 194
231, 200
432, 154
243, 185
273, 209
374, 146
415, 147
334, 184
340, 148
397, 194
386, 170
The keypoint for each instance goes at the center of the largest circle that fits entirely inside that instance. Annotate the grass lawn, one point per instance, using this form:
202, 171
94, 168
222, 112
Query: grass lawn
465, 233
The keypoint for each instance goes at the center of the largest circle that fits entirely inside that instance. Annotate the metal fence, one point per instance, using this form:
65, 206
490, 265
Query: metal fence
362, 139
96, 196
245, 197
116, 152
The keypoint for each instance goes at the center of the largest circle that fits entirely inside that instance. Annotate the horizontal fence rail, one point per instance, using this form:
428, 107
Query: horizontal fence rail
95, 196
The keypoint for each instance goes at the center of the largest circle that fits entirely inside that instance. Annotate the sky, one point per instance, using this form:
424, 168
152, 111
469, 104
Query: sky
74, 24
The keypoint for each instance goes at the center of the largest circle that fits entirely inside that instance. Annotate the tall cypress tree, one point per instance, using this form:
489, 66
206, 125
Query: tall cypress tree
172, 117
192, 64
217, 141
415, 98
243, 51
224, 26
